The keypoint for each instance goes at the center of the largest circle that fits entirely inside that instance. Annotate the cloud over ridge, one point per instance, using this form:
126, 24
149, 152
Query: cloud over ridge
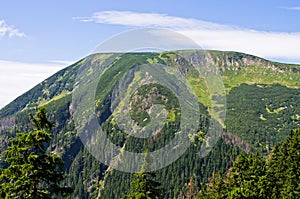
276, 45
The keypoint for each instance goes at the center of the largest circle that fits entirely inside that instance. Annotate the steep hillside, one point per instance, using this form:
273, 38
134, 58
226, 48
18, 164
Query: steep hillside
262, 106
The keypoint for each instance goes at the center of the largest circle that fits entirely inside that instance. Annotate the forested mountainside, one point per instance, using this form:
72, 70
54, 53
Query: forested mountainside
252, 176
262, 107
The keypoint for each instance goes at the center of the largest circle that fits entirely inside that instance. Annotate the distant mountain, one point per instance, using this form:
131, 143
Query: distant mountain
262, 106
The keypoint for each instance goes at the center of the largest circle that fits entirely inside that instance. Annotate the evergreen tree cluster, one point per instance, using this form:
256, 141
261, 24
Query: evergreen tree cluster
32, 171
277, 176
144, 185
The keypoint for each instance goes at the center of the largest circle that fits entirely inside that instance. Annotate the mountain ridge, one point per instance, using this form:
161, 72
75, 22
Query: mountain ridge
262, 107
222, 59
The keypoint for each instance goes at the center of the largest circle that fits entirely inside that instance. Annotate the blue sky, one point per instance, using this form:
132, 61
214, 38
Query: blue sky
37, 38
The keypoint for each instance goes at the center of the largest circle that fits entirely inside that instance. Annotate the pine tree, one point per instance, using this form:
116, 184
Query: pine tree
251, 176
283, 168
245, 177
190, 191
144, 186
216, 188
32, 171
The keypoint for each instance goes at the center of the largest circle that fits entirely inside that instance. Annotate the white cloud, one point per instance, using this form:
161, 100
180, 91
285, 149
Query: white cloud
264, 44
61, 62
147, 19
17, 78
9, 30
276, 45
293, 8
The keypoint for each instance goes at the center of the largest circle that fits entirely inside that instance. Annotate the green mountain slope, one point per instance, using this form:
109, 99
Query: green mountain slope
263, 105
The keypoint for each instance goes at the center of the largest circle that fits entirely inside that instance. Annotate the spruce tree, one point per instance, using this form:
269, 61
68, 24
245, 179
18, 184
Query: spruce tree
277, 176
189, 191
283, 168
144, 185
32, 171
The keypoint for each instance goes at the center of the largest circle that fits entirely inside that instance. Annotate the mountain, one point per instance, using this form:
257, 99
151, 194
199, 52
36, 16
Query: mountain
261, 99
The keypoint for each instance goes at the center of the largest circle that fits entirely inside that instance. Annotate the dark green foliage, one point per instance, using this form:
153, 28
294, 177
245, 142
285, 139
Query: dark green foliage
33, 172
190, 191
245, 177
277, 176
283, 175
174, 177
85, 174
262, 115
144, 186
215, 189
